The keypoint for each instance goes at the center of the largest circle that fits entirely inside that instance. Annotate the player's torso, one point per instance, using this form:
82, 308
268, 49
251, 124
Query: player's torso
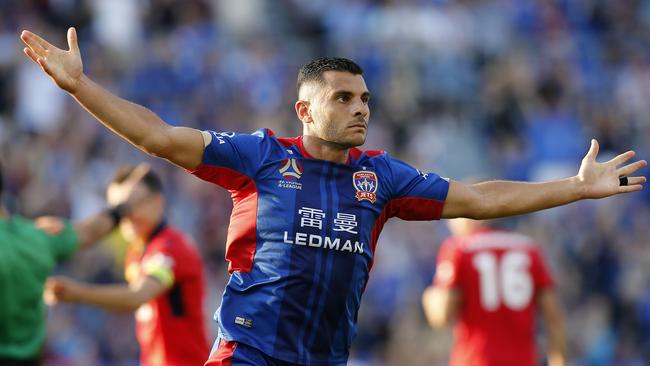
313, 252
170, 327
497, 317
26, 260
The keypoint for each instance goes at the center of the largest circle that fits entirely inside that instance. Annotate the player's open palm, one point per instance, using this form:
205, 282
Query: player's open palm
64, 67
602, 179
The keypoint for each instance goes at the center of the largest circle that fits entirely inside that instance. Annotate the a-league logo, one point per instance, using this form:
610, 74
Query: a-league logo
291, 169
365, 182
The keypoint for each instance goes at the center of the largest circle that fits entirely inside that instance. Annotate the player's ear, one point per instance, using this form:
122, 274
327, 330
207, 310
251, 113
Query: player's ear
303, 111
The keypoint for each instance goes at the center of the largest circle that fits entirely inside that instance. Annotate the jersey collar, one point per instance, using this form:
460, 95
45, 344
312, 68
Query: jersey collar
157, 230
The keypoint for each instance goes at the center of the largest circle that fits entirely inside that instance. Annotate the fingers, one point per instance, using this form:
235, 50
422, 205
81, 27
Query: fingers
36, 43
31, 54
593, 150
631, 168
127, 187
37, 59
635, 180
72, 40
629, 189
138, 173
622, 158
51, 291
46, 67
633, 184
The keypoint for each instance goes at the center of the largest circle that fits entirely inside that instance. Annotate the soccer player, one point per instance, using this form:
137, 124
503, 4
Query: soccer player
27, 256
308, 210
493, 282
164, 274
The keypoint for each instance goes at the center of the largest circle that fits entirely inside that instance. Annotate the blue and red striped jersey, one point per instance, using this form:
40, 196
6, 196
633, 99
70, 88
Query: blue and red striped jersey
302, 239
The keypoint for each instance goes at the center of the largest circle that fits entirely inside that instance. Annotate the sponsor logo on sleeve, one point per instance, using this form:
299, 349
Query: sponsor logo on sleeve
221, 136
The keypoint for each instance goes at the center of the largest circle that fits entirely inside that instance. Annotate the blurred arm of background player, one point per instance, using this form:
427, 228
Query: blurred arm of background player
112, 297
91, 229
549, 306
119, 297
182, 146
440, 305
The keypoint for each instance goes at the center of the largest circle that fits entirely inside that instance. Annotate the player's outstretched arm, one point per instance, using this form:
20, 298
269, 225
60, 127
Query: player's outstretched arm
126, 298
494, 199
180, 145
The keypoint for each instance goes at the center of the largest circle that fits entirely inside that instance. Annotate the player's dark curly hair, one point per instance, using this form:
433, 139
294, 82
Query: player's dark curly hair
313, 71
150, 180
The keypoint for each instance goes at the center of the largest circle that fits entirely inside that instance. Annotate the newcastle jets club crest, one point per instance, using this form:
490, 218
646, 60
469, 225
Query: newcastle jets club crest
365, 182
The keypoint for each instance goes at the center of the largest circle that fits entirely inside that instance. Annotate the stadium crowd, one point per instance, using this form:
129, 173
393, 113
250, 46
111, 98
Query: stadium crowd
468, 89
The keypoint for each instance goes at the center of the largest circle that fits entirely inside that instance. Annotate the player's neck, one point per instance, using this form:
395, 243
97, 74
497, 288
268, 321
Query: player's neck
325, 150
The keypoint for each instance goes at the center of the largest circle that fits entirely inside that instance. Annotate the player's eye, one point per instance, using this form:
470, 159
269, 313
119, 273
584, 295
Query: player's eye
343, 98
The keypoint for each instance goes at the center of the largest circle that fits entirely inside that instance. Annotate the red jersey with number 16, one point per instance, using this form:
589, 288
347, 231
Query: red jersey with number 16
498, 274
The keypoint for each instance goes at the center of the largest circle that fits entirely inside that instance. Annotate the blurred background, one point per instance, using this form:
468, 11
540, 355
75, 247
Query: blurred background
468, 89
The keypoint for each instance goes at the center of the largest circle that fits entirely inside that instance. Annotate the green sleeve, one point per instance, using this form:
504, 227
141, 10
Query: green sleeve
65, 243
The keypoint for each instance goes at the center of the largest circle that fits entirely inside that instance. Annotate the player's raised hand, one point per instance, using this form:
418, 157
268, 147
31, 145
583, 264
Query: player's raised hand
602, 179
60, 289
64, 67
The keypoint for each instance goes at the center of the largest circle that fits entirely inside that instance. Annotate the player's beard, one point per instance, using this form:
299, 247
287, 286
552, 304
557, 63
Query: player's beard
341, 138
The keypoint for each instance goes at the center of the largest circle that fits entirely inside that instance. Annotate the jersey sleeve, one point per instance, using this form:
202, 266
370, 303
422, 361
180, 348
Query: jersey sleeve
541, 275
448, 266
230, 155
416, 195
65, 243
160, 263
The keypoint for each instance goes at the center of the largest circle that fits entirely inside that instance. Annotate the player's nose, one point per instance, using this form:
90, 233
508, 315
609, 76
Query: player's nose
361, 109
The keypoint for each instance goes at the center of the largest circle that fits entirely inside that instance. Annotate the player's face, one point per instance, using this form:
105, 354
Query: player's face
340, 109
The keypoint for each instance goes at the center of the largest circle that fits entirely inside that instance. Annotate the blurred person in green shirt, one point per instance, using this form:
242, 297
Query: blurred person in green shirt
28, 255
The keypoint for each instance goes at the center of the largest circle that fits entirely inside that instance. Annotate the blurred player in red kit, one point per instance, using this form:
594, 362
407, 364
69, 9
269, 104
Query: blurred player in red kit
164, 273
493, 283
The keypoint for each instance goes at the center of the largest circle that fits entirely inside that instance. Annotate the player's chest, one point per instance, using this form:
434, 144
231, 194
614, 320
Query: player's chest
316, 183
